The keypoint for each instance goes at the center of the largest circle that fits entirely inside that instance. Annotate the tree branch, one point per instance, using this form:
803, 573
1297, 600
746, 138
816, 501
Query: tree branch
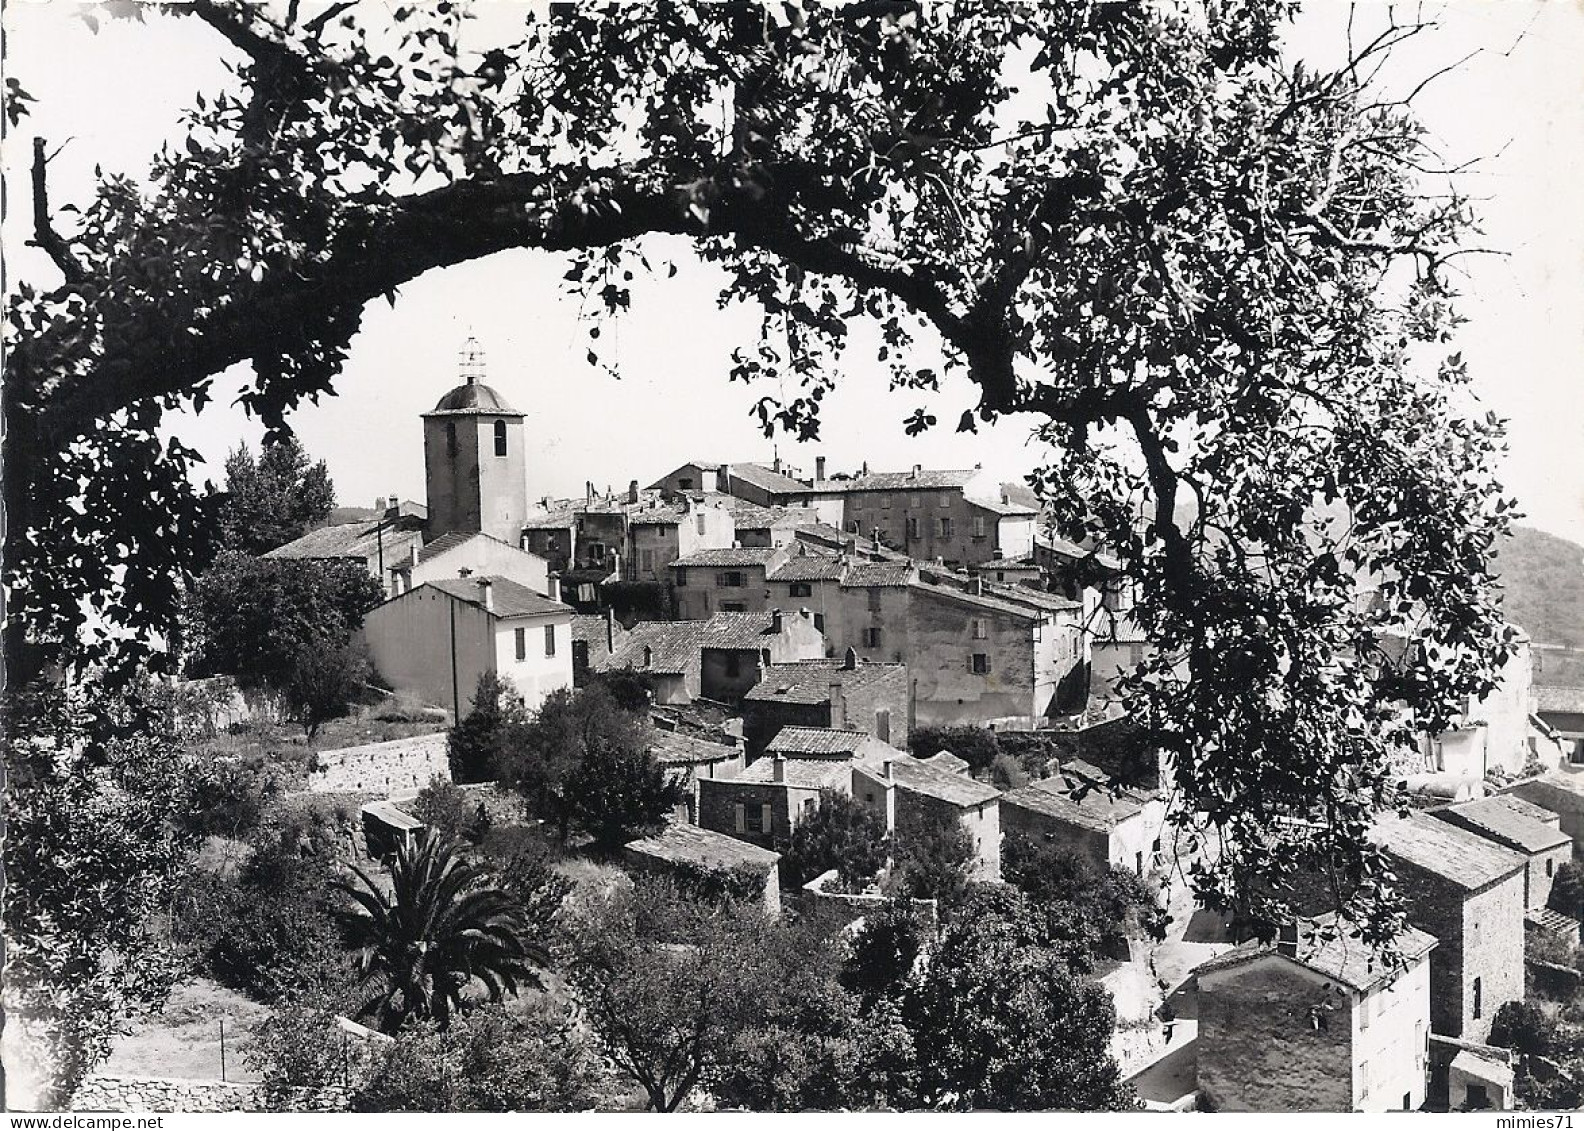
56, 246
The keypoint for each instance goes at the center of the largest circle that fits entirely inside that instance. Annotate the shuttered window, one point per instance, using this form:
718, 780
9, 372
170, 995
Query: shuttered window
741, 818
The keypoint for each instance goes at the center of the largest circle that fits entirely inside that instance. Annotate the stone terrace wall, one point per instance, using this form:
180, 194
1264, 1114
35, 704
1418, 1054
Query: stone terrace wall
834, 909
140, 1093
382, 768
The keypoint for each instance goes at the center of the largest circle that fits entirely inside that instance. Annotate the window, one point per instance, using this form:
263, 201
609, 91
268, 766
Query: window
800, 589
871, 638
596, 551
522, 643
913, 502
1550, 868
703, 525
681, 576
869, 797
1364, 1078
549, 640
758, 818
885, 502
980, 631
684, 484
500, 437
1477, 1097
732, 579
913, 529
1364, 1016
883, 725
1138, 863
585, 592
451, 441
646, 560
1479, 998
874, 599
980, 663
740, 824
819, 621
944, 500
733, 607
945, 528
853, 526
978, 526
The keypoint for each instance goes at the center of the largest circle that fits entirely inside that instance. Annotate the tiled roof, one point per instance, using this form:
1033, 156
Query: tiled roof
864, 575
1465, 858
560, 519
1021, 493
1560, 700
678, 748
1003, 507
1347, 960
731, 556
1497, 819
946, 760
766, 479
1529, 809
808, 681
943, 785
923, 479
690, 844
451, 541
818, 741
665, 514
1071, 550
814, 565
1077, 801
590, 628
802, 773
737, 631
673, 647
1028, 595
361, 540
1553, 922
818, 532
509, 598
983, 601
472, 399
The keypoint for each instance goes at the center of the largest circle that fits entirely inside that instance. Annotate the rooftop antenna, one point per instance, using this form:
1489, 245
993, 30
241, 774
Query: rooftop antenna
470, 360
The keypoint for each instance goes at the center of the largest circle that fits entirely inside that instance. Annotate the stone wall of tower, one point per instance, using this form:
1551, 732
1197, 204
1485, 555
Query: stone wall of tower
473, 488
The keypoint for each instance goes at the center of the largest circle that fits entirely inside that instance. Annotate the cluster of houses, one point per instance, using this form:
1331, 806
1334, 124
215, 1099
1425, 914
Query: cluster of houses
795, 631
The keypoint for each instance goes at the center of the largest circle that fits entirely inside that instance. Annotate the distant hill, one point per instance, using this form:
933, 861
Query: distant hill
1543, 577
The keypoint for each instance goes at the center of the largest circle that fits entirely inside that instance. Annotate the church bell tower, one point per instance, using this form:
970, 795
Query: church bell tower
474, 464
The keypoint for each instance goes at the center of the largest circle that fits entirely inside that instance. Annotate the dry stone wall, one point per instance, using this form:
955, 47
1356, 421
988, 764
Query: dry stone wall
382, 768
150, 1094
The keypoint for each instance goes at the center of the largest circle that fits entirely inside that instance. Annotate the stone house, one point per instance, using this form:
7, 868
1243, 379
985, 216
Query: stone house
766, 801
732, 580
764, 526
1080, 809
1467, 892
690, 759
810, 578
436, 640
464, 553
818, 742
1560, 792
752, 482
913, 797
667, 652
683, 851
838, 694
1527, 829
662, 531
594, 638
735, 648
1314, 1024
958, 517
376, 545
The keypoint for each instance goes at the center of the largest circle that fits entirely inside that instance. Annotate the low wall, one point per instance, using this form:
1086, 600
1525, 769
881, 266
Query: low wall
152, 1094
835, 910
383, 768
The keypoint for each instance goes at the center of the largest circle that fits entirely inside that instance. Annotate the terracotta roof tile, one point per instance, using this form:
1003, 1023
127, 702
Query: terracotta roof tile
808, 681
1465, 858
509, 598
690, 844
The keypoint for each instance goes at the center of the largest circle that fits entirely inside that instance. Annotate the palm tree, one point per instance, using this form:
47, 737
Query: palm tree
441, 926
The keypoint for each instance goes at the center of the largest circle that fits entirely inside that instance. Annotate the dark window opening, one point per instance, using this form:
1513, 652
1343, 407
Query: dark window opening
500, 437
451, 440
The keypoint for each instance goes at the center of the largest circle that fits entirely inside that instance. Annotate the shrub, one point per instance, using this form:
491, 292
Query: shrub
1524, 1027
842, 834
934, 862
974, 745
1567, 890
449, 811
1006, 772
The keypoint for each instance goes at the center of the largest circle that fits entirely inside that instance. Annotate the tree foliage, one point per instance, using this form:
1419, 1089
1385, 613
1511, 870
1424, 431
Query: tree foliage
439, 928
94, 835
934, 860
1223, 283
273, 499
842, 834
476, 746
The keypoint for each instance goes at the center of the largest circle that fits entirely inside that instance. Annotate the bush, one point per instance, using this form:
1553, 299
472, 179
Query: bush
1006, 772
450, 812
476, 746
974, 745
883, 951
1567, 890
842, 834
229, 796
934, 862
1523, 1027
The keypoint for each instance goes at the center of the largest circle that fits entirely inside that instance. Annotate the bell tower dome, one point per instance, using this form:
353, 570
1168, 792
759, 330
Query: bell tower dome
474, 463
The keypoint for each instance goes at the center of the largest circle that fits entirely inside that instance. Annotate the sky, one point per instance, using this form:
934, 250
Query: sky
114, 96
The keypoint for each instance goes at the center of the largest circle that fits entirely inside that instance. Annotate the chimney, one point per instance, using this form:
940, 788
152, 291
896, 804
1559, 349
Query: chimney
632, 491
723, 479
775, 464
819, 469
885, 769
850, 660
412, 552
465, 571
1287, 938
610, 630
865, 467
487, 593
775, 622
978, 586
588, 490
997, 555
555, 588
648, 656
778, 769
838, 706
917, 467
1006, 496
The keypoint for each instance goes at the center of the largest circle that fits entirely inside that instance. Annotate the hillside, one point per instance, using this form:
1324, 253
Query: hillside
1544, 580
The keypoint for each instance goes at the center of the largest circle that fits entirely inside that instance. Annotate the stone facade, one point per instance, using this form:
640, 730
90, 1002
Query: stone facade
382, 768
875, 701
